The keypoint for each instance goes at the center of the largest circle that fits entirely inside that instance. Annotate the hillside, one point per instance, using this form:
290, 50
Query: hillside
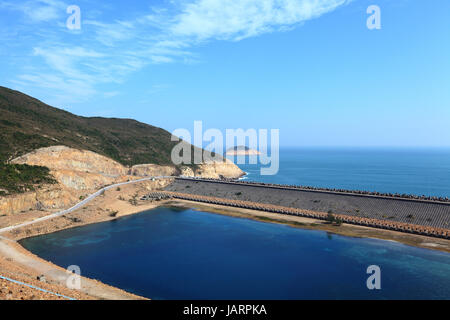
51, 146
27, 124
16, 178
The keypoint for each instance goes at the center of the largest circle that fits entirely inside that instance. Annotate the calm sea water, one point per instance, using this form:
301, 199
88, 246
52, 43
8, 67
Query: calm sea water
413, 171
184, 254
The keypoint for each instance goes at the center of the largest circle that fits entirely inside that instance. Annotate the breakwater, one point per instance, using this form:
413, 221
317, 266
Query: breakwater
411, 216
362, 193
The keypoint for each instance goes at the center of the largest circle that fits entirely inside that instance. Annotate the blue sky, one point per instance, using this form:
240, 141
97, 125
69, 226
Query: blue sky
309, 68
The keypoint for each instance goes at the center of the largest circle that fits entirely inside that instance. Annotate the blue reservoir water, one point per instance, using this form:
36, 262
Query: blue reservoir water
413, 171
171, 253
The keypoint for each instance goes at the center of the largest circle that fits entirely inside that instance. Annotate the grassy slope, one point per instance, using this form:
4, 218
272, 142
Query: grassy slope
27, 124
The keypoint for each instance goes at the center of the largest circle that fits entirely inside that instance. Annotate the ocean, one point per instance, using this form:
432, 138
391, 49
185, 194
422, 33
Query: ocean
411, 171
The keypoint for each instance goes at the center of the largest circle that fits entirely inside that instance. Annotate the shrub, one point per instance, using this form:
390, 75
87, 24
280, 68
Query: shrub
18, 178
330, 217
333, 219
113, 214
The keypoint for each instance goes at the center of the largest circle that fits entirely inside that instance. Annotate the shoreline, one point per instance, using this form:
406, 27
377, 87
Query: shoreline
347, 230
390, 214
19, 264
113, 206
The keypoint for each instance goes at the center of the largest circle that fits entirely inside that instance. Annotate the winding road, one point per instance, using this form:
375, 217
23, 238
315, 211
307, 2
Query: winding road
80, 204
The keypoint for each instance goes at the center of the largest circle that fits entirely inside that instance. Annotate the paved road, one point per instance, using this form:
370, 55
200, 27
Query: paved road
80, 204
35, 288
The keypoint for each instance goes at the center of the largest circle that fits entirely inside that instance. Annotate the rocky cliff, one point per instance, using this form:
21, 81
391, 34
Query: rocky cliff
81, 172
215, 170
65, 158
47, 197
144, 170
76, 169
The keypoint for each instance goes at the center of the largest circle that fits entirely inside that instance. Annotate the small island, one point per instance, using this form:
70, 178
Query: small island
242, 151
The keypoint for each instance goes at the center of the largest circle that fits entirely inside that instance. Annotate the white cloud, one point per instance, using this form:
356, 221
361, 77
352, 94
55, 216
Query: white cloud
236, 20
38, 10
81, 53
110, 33
121, 47
65, 60
111, 94
63, 90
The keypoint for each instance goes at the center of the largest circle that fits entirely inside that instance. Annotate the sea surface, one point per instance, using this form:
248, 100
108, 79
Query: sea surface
170, 253
411, 171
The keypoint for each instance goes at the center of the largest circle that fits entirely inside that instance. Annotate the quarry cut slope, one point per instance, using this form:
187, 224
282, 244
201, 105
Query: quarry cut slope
81, 172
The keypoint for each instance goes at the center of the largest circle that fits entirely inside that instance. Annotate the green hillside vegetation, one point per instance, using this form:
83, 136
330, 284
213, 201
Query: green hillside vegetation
16, 178
27, 124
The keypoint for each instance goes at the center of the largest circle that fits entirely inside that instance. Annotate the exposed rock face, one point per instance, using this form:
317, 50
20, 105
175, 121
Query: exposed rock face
81, 172
187, 172
78, 180
64, 158
78, 173
143, 170
49, 197
215, 170
76, 169
17, 203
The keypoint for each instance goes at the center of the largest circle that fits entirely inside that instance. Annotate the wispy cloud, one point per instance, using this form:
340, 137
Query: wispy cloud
106, 52
237, 20
66, 60
110, 34
64, 90
111, 94
38, 10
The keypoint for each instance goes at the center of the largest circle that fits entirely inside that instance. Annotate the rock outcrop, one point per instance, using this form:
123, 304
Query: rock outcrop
65, 158
47, 197
144, 170
81, 172
218, 170
76, 169
214, 170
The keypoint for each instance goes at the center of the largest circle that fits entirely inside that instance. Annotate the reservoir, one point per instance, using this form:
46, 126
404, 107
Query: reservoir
172, 253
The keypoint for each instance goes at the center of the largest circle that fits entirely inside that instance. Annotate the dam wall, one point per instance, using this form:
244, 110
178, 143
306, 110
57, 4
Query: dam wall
424, 213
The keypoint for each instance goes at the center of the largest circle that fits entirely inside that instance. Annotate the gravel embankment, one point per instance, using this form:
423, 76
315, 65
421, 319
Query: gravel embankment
421, 213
